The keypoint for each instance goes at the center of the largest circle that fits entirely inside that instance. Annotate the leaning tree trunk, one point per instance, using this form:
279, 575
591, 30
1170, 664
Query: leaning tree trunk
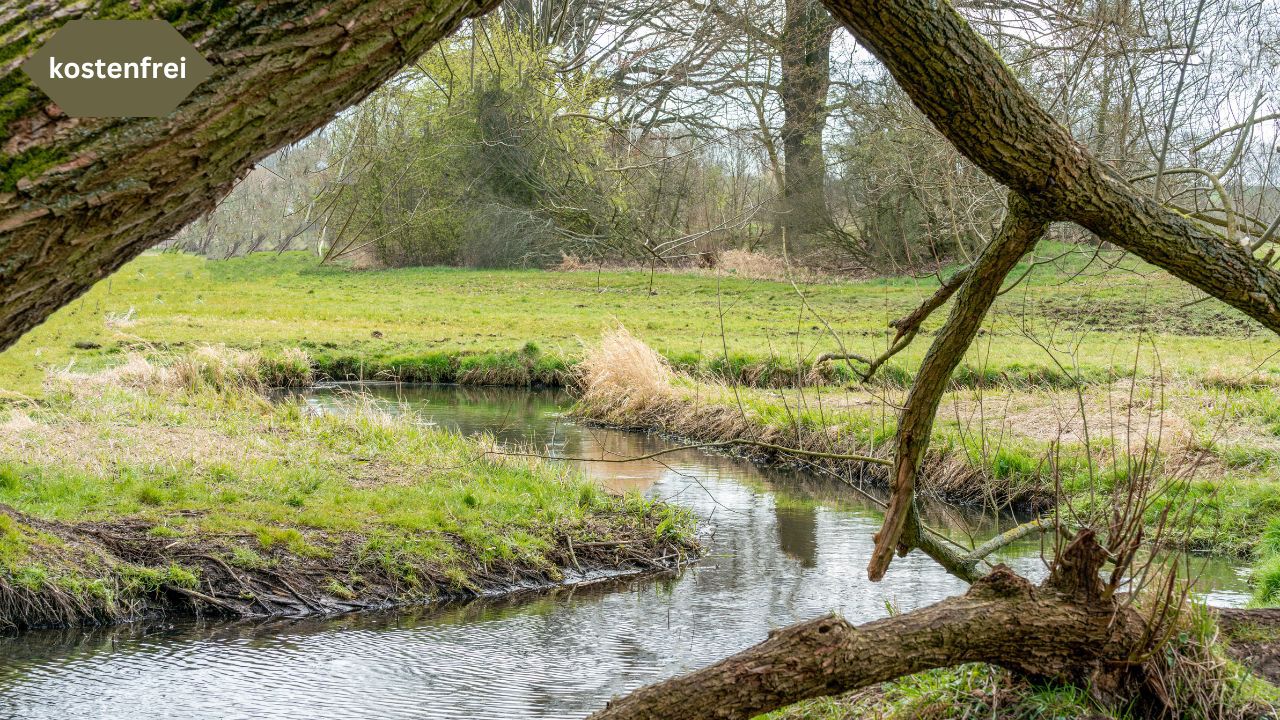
1021, 230
959, 83
1066, 629
80, 197
806, 77
956, 79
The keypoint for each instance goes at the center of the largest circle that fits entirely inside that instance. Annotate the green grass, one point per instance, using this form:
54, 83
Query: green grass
194, 464
1075, 324
966, 691
452, 324
1027, 447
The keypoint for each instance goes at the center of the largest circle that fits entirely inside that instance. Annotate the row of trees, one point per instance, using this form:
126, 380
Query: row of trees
611, 131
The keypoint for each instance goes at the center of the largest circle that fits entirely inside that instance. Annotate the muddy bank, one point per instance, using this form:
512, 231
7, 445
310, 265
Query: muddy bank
947, 476
125, 571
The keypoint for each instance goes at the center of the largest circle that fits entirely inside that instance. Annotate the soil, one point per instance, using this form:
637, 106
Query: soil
1253, 639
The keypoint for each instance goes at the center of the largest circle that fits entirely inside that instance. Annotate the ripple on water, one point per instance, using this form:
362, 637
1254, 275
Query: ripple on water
781, 548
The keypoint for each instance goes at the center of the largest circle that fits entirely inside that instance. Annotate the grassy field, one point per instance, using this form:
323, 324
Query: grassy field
1072, 316
150, 486
1096, 350
1210, 449
144, 469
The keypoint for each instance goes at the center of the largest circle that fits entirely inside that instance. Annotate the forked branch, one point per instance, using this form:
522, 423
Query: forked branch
907, 326
1021, 230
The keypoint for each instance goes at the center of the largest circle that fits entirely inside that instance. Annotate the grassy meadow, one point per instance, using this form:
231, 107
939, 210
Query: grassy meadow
148, 486
1074, 315
1090, 360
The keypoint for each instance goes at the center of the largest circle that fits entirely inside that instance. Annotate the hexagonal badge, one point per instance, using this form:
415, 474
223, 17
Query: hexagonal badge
117, 68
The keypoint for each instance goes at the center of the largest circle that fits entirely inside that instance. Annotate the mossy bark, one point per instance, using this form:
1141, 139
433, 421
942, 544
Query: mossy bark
1063, 629
80, 197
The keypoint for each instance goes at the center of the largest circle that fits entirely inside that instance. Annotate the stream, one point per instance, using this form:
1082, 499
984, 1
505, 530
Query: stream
781, 546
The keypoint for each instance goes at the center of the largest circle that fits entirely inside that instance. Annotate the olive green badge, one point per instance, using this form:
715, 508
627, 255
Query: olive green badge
117, 68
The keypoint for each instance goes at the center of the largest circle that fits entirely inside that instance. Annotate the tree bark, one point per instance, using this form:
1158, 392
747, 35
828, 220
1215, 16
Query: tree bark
806, 77
1065, 629
958, 81
1022, 229
81, 197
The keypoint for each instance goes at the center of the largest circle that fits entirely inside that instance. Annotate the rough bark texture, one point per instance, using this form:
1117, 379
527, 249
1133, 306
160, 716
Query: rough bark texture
1062, 629
957, 80
80, 197
1021, 229
806, 76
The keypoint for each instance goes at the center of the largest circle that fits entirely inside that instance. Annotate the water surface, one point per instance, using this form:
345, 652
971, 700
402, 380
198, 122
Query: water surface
782, 547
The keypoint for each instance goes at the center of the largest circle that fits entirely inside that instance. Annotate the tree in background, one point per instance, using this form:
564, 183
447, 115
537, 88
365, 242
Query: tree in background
272, 208
480, 154
620, 133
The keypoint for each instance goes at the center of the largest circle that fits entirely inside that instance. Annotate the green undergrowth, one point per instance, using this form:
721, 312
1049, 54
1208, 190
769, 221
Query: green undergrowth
984, 691
119, 484
1266, 570
965, 691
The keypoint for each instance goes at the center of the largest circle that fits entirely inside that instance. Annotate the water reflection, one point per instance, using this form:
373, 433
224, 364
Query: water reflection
782, 547
798, 531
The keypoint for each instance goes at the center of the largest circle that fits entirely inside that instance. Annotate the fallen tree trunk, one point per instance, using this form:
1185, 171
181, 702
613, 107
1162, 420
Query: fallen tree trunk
81, 197
1066, 629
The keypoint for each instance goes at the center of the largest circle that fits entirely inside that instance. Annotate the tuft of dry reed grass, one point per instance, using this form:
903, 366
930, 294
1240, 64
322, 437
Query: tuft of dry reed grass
623, 377
752, 265
625, 383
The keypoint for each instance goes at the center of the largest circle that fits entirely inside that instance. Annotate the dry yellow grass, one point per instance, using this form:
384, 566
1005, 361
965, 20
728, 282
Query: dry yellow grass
753, 265
991, 445
217, 367
623, 376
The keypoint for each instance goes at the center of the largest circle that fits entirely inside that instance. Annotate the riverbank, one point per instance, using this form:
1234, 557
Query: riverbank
1089, 349
1017, 450
154, 489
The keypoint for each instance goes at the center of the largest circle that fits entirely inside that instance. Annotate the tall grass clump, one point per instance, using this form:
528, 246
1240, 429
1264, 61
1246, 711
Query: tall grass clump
622, 378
